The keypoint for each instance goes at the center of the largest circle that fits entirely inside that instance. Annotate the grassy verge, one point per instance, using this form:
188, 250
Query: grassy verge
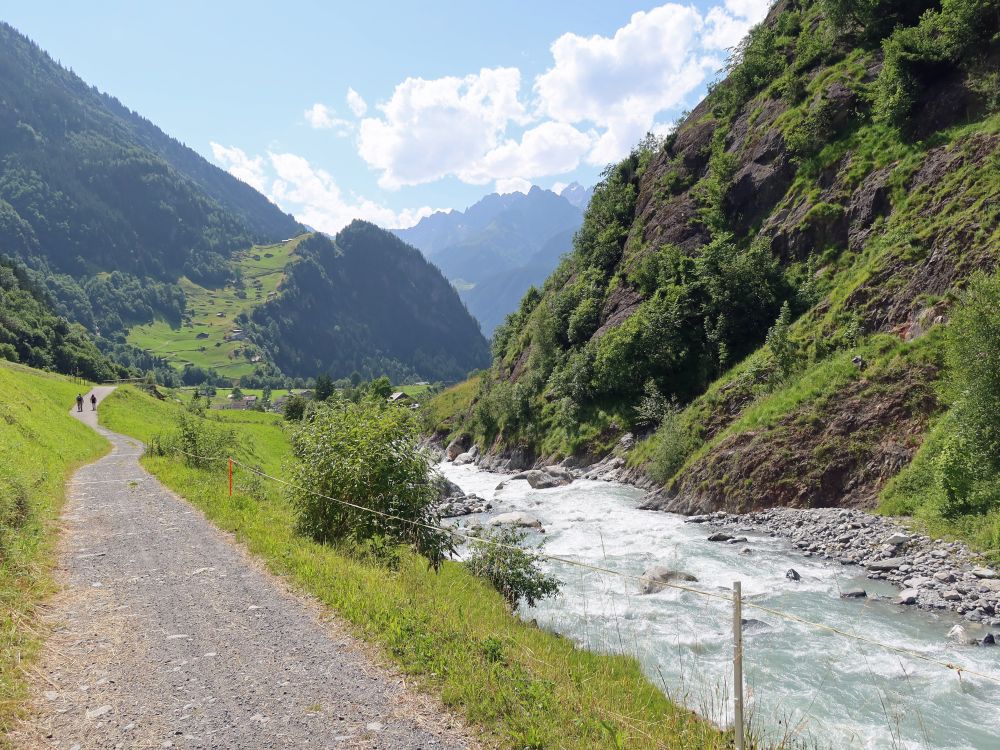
521, 686
40, 443
444, 413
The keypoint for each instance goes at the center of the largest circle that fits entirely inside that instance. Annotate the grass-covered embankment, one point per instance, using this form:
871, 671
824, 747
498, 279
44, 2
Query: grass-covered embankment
40, 443
521, 686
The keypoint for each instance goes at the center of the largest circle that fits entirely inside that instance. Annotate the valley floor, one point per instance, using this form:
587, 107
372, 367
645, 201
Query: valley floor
167, 634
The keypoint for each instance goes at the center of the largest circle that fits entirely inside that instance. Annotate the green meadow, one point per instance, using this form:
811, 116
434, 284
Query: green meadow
210, 314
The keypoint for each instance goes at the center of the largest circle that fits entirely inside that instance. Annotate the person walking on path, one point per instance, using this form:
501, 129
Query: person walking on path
93, 402
79, 402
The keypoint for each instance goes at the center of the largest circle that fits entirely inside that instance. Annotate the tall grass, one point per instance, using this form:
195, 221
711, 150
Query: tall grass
40, 443
522, 686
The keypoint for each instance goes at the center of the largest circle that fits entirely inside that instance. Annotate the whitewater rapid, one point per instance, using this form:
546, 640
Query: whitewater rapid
802, 682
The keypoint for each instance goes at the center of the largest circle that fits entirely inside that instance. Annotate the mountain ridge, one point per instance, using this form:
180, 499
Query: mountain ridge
495, 249
759, 300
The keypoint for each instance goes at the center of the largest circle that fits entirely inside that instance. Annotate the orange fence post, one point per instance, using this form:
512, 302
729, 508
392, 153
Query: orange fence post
230, 477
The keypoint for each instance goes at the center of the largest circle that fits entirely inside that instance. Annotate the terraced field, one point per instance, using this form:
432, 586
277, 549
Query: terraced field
205, 337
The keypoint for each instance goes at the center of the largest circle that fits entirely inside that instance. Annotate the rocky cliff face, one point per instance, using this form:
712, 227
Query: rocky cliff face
781, 268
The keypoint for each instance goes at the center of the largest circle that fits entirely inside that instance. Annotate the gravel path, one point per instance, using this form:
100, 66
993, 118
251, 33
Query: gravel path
168, 635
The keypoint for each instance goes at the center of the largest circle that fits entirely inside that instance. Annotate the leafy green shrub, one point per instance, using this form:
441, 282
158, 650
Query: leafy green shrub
955, 477
672, 444
499, 558
974, 366
914, 56
652, 406
583, 320
200, 442
365, 456
295, 408
755, 62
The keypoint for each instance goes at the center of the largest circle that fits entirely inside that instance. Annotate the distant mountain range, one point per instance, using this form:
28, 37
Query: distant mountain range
500, 246
111, 215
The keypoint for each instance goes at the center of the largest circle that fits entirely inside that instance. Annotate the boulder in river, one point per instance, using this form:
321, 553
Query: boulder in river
657, 577
989, 640
793, 575
524, 520
546, 478
457, 447
908, 596
468, 457
960, 635
854, 593
720, 536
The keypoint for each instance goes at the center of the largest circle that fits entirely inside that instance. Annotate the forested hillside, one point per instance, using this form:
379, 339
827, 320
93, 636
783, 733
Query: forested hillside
366, 302
32, 334
765, 293
89, 187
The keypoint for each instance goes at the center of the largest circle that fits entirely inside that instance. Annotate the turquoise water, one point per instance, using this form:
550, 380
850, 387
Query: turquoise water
802, 682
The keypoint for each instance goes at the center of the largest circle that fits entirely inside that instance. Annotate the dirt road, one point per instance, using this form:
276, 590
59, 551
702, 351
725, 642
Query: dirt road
168, 635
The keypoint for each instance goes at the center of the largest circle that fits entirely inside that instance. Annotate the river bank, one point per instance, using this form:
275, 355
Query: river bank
932, 574
835, 691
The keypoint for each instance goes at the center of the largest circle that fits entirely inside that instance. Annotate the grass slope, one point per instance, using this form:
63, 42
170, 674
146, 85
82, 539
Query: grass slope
209, 314
524, 687
40, 443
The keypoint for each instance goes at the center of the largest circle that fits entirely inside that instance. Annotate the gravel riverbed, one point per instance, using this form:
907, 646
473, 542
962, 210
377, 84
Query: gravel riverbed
933, 574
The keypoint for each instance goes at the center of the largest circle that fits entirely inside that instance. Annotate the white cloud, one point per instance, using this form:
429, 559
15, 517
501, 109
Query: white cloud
597, 99
727, 25
432, 128
239, 165
549, 148
308, 192
620, 83
513, 185
356, 104
322, 117
558, 187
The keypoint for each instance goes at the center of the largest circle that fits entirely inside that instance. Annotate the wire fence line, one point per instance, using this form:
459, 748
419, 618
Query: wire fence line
639, 579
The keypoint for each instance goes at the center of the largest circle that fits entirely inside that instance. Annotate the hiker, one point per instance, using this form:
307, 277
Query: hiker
93, 402
79, 402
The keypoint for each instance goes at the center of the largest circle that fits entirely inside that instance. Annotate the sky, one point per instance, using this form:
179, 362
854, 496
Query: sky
388, 111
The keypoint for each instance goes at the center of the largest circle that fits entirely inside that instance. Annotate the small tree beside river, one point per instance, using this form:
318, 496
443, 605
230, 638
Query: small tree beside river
359, 476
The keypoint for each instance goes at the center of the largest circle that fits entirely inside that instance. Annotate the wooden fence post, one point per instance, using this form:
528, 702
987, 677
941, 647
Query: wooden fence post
738, 664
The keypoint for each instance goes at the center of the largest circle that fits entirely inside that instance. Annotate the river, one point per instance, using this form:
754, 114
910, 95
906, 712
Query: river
802, 682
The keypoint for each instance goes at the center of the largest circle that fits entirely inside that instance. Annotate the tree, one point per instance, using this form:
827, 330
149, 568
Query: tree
295, 408
359, 476
499, 558
355, 379
381, 387
324, 387
781, 346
